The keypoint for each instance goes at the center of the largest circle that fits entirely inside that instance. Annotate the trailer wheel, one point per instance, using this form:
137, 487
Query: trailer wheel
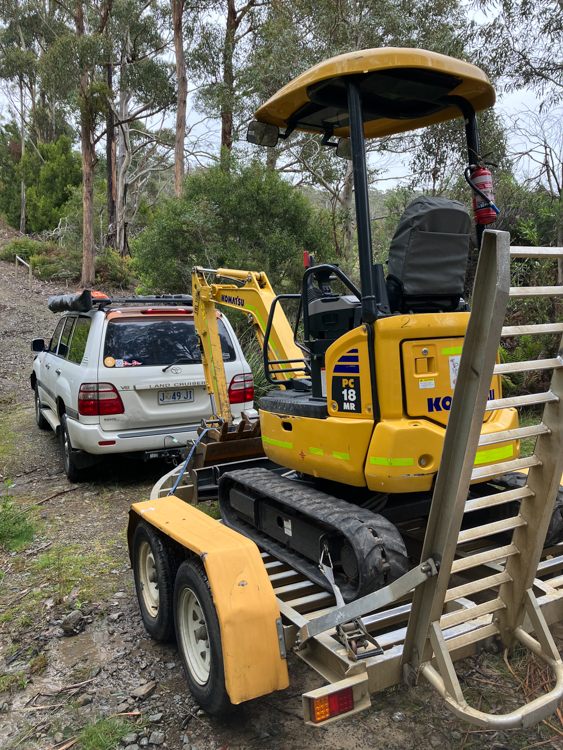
154, 569
199, 638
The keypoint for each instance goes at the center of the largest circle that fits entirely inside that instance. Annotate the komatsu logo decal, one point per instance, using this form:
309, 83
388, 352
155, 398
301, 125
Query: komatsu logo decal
444, 403
228, 300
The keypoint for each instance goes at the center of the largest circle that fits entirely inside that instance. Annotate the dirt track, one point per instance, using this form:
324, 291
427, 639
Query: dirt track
78, 561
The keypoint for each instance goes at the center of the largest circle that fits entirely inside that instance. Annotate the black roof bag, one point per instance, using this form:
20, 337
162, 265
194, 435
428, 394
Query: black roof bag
428, 256
80, 303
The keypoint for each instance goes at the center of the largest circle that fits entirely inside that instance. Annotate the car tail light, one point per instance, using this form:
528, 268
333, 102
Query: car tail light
331, 705
241, 389
99, 399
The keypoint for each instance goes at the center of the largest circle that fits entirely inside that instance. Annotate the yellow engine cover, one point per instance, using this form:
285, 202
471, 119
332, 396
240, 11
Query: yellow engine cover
386, 417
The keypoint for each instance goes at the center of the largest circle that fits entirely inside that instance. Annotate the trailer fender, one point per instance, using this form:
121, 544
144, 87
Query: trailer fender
246, 605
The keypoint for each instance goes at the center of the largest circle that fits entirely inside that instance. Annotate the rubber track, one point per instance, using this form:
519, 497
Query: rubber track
380, 550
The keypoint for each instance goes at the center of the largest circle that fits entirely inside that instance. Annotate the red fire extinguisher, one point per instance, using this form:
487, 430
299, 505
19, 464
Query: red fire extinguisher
481, 181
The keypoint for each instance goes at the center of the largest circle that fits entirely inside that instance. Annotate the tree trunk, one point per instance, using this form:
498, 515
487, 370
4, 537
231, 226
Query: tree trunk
346, 206
110, 169
228, 78
179, 138
22, 121
88, 162
124, 161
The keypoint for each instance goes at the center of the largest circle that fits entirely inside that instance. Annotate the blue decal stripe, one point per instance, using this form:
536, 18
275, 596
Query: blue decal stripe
347, 358
352, 351
346, 370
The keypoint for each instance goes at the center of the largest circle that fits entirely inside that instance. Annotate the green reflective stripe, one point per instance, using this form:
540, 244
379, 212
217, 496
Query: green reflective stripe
496, 454
255, 311
375, 460
342, 456
452, 350
316, 451
279, 443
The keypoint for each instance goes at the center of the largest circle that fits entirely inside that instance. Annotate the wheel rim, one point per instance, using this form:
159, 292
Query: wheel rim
194, 636
148, 579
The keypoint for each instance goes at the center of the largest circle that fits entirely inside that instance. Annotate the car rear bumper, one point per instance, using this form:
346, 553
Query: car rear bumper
87, 437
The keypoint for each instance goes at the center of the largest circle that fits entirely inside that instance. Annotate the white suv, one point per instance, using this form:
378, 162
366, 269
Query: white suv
125, 376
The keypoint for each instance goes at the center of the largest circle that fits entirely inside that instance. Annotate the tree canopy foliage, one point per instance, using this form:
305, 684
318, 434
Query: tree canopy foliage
246, 217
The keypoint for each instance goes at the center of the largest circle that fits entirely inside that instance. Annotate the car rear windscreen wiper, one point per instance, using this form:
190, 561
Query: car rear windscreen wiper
185, 360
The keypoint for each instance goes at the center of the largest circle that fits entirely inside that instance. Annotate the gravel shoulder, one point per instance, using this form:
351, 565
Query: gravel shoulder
56, 680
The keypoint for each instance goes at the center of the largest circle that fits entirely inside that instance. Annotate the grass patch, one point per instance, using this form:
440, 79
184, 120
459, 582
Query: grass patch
39, 664
527, 419
11, 682
16, 528
69, 567
210, 508
103, 735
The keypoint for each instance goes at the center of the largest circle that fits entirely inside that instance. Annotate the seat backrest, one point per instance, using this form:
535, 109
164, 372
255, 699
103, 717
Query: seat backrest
428, 256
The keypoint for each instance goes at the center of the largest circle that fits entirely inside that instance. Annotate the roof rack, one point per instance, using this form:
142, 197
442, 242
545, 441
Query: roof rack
165, 299
85, 301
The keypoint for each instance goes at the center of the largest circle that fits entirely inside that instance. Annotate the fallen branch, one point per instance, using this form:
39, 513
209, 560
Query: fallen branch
55, 494
371, 729
69, 687
62, 747
36, 708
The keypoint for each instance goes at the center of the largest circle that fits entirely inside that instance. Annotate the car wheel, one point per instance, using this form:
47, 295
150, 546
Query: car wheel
39, 418
154, 570
199, 638
74, 474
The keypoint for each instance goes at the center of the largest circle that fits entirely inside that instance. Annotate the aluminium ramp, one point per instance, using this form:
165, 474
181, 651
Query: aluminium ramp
503, 574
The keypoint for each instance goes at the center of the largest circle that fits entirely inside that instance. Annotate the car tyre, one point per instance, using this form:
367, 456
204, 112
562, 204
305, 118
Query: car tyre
39, 418
73, 473
154, 570
199, 638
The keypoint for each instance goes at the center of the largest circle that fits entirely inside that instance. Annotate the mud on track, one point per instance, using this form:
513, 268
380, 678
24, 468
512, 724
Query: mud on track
78, 561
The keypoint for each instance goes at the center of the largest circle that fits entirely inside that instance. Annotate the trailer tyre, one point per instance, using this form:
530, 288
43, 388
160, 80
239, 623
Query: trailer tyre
199, 638
154, 570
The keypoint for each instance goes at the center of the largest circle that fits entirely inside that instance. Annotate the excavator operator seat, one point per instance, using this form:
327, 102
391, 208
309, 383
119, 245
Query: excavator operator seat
428, 257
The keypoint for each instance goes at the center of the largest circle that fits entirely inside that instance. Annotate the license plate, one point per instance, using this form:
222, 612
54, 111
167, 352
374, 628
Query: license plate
183, 396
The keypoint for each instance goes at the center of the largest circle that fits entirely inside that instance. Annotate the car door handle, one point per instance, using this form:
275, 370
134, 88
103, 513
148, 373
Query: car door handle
47, 367
58, 371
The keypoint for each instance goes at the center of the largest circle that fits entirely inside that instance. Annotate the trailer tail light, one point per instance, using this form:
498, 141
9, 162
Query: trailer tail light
241, 389
99, 399
334, 704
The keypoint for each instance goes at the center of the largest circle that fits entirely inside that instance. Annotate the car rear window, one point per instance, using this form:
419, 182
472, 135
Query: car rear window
145, 343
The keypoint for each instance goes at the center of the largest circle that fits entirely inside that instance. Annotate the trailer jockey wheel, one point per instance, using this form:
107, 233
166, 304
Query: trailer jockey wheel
154, 569
199, 638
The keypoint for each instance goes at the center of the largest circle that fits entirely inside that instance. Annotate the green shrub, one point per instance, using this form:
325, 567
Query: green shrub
112, 269
16, 528
23, 247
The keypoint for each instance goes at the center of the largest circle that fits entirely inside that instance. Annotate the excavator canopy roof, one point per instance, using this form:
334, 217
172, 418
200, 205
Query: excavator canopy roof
402, 89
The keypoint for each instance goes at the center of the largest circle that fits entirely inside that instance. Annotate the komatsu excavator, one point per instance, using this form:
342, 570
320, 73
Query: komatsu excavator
387, 409
360, 406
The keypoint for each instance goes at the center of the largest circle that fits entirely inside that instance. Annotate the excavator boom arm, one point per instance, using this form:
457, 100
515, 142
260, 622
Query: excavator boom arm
255, 297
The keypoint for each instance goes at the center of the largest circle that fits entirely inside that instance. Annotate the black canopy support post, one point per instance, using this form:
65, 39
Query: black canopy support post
369, 302
473, 143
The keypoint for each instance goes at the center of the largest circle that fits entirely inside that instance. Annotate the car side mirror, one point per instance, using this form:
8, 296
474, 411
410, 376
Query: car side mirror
344, 148
38, 345
262, 134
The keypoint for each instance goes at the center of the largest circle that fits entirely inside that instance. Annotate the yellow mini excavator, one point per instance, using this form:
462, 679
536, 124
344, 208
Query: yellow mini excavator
361, 404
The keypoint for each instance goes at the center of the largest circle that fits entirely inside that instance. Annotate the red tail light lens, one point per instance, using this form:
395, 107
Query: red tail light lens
241, 389
99, 399
331, 705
